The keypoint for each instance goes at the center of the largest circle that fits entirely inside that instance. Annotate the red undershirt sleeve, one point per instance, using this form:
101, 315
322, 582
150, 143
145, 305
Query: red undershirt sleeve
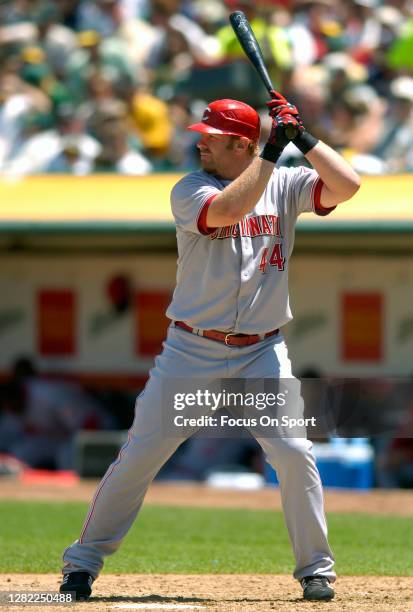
319, 209
202, 216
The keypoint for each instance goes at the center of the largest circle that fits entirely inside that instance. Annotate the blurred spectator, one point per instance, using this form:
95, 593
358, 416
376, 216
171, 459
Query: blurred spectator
357, 121
342, 72
151, 119
148, 117
14, 12
39, 418
310, 92
315, 31
96, 55
109, 126
135, 8
56, 40
363, 29
139, 37
69, 10
397, 465
15, 25
35, 70
99, 88
400, 55
181, 45
272, 37
203, 48
54, 142
103, 16
317, 403
182, 153
17, 101
395, 457
396, 145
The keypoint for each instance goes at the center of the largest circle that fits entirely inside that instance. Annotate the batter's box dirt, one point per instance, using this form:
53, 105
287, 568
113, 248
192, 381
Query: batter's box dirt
221, 592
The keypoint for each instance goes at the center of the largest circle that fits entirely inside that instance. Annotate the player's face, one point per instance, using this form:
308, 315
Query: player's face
215, 152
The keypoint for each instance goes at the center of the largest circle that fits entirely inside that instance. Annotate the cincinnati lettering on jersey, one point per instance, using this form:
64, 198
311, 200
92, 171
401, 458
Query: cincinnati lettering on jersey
259, 225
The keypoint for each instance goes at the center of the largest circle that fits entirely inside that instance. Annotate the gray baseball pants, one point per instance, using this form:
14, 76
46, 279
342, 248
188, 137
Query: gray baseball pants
121, 492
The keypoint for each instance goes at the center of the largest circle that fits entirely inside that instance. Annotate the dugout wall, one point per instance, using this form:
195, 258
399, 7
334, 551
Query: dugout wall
85, 278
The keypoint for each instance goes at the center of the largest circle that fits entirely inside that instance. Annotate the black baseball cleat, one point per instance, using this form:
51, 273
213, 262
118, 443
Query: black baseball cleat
78, 582
317, 588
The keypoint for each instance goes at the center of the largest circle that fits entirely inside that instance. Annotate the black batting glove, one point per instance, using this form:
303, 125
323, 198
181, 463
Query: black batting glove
278, 138
279, 106
303, 140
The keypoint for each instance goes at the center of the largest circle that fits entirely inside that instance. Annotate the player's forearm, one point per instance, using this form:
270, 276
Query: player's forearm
341, 182
240, 196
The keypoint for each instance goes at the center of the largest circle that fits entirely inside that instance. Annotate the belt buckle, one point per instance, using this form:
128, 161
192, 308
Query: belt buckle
227, 336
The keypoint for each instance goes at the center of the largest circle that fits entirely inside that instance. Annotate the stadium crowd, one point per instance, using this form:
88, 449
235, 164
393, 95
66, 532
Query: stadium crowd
110, 85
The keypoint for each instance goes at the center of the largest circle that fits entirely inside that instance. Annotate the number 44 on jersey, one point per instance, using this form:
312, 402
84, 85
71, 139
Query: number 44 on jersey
276, 258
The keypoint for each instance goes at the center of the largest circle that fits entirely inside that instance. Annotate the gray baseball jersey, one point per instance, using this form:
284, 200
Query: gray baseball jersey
235, 278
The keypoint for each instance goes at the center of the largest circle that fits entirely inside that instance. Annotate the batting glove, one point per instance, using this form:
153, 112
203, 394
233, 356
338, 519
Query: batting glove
279, 106
277, 99
278, 138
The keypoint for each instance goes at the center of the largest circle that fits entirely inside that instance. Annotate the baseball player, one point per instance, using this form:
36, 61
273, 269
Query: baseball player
235, 221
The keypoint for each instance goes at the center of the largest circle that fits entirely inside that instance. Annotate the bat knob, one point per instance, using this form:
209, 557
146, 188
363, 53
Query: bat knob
291, 132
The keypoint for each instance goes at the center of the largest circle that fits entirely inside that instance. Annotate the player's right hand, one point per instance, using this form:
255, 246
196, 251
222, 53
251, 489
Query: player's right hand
284, 127
278, 135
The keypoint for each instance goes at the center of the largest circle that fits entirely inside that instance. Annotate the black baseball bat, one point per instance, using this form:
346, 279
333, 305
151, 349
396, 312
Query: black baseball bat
249, 43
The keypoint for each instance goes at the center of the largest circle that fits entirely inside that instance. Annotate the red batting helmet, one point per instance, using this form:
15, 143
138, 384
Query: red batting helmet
229, 117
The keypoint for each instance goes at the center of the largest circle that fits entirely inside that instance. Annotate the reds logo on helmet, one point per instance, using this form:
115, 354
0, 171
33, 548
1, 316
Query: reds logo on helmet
206, 114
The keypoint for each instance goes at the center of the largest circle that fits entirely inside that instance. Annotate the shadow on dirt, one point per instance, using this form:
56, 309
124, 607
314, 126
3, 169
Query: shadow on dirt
188, 600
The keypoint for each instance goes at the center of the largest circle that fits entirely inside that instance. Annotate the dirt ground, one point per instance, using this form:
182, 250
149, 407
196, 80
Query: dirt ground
220, 592
390, 502
224, 593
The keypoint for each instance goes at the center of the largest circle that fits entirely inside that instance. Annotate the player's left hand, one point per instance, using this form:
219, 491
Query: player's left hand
286, 127
280, 109
278, 135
